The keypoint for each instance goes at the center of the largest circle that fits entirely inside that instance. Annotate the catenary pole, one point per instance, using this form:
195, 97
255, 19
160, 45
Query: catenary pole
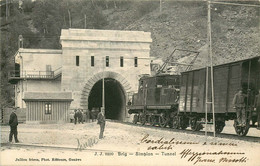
207, 75
85, 21
160, 6
103, 86
211, 69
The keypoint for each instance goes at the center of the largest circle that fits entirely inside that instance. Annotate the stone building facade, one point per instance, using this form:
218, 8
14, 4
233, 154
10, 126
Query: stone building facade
87, 56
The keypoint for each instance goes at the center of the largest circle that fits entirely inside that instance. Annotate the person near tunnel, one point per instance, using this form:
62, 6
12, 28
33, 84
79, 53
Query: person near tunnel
87, 116
101, 120
92, 114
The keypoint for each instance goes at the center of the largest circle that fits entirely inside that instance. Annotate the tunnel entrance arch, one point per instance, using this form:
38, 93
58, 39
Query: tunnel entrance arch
115, 98
116, 88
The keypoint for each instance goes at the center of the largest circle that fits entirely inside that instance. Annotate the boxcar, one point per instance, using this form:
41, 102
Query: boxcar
156, 100
228, 78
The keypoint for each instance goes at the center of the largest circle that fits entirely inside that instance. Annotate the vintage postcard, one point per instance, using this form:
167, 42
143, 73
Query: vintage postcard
127, 82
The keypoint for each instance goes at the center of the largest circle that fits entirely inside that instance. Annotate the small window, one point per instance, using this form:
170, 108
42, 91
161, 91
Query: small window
107, 61
136, 62
121, 61
92, 61
77, 60
47, 108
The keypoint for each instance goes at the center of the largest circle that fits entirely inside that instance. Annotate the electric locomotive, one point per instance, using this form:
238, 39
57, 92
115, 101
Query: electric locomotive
156, 101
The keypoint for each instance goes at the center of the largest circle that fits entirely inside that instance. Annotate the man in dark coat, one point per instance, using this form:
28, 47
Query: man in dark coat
239, 105
87, 116
75, 116
93, 114
257, 107
13, 122
101, 120
80, 114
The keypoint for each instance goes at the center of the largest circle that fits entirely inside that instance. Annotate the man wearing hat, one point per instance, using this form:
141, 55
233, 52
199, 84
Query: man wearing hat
101, 120
239, 105
13, 122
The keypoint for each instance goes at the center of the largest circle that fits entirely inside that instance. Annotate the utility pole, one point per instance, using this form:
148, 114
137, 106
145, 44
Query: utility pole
6, 9
211, 76
20, 41
69, 18
85, 23
160, 6
103, 86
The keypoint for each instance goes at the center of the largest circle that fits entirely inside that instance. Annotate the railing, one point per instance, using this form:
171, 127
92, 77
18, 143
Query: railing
57, 72
36, 74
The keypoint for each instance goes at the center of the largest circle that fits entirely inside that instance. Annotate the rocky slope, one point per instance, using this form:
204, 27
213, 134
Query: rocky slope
235, 30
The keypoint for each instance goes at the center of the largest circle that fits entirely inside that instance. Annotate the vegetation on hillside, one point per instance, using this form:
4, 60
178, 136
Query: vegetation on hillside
180, 24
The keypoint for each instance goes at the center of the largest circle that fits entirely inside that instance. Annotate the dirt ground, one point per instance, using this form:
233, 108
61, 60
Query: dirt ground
123, 145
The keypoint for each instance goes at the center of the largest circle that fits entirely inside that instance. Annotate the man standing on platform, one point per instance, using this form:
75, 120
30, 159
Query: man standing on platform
13, 122
101, 120
80, 116
239, 105
76, 117
87, 116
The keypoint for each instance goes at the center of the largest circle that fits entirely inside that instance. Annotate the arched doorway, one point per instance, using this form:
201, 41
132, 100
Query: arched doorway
115, 98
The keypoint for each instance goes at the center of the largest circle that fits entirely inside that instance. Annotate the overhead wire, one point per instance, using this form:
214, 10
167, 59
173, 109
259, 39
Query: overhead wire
235, 4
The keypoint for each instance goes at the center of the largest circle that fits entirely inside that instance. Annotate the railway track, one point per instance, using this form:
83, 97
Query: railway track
55, 147
187, 131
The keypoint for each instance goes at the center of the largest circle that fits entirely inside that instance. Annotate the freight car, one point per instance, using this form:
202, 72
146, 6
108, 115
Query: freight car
228, 78
156, 101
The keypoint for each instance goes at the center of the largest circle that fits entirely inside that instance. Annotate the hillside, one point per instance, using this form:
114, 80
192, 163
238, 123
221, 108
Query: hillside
235, 30
183, 25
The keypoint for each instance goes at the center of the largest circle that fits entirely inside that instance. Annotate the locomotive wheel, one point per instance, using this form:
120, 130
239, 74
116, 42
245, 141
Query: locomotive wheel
195, 125
175, 122
183, 126
135, 119
253, 122
219, 126
184, 123
162, 121
142, 119
170, 124
152, 120
149, 120
241, 131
